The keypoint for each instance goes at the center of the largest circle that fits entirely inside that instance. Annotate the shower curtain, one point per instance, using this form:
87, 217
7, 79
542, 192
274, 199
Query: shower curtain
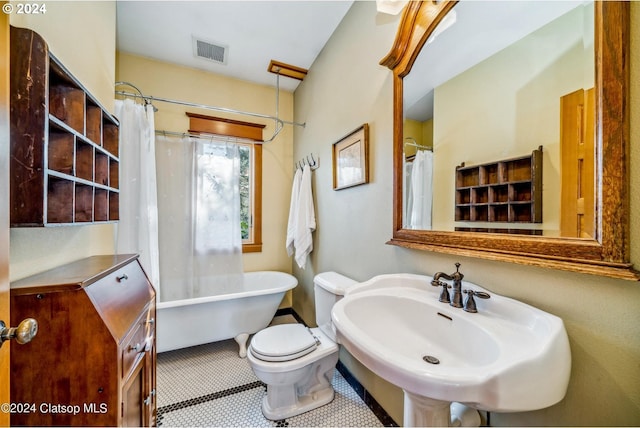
421, 193
137, 230
199, 217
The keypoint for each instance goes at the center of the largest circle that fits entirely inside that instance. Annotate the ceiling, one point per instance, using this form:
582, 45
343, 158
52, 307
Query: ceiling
254, 33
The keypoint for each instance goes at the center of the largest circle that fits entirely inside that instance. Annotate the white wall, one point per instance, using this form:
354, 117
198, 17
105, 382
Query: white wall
347, 87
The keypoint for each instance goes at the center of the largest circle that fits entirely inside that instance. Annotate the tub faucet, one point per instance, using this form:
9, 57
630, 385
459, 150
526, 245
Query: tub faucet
456, 277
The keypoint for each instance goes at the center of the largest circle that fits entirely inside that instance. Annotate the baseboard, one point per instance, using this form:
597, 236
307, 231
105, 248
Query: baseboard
368, 399
292, 312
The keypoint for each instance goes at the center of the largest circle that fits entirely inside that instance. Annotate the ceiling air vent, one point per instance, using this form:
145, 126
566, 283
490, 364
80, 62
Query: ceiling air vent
215, 52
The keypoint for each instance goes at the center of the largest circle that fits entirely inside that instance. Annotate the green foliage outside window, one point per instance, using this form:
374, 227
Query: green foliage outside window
245, 190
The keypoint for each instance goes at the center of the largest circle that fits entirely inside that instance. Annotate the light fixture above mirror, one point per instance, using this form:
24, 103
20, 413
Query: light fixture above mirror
605, 249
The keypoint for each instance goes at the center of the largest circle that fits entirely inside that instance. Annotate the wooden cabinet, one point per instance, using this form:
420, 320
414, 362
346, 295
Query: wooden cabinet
64, 145
93, 361
507, 191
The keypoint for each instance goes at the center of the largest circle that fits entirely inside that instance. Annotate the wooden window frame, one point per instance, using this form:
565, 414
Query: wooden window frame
202, 124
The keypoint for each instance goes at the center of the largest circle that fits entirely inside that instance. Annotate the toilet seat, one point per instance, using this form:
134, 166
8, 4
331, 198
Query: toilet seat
283, 342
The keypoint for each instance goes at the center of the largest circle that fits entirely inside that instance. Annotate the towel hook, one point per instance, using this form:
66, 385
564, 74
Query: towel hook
313, 163
316, 163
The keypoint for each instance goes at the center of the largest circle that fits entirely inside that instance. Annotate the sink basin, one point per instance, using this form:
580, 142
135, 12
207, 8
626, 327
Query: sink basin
507, 357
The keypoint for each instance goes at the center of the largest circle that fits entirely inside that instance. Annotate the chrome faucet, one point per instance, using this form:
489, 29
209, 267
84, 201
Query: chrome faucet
456, 277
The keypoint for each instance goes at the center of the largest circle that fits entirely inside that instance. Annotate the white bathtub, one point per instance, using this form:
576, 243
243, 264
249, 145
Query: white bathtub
235, 315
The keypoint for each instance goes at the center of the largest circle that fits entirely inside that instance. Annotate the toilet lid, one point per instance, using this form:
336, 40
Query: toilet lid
283, 342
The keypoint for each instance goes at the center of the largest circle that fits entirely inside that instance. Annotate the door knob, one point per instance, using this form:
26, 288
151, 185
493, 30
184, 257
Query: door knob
25, 331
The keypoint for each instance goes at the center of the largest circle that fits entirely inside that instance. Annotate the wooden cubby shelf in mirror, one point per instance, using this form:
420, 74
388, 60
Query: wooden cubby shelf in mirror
508, 191
64, 144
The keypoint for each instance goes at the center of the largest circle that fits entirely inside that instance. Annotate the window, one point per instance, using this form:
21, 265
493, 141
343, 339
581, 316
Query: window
251, 197
250, 172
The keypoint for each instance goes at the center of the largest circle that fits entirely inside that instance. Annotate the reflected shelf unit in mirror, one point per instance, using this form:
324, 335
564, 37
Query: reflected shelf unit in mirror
64, 144
507, 191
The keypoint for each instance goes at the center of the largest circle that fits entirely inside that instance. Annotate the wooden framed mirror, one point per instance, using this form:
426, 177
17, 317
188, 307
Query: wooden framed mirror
604, 248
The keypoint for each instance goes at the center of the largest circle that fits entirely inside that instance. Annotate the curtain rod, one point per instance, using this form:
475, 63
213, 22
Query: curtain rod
279, 122
206, 136
151, 98
418, 146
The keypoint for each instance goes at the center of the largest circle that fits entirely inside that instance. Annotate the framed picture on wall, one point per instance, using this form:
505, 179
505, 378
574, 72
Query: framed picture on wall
351, 159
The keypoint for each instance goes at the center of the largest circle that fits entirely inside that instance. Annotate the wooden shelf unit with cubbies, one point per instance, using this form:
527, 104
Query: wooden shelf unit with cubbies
64, 145
508, 191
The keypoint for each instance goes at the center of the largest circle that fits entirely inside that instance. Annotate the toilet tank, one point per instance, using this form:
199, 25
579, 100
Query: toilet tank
329, 287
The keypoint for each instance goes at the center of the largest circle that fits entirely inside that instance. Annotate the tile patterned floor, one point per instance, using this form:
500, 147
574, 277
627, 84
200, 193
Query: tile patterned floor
209, 385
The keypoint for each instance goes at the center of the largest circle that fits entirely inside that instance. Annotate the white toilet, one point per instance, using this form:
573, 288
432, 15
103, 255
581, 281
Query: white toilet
297, 362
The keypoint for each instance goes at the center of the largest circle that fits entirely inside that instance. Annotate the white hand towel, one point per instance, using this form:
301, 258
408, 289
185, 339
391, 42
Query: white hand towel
306, 223
293, 209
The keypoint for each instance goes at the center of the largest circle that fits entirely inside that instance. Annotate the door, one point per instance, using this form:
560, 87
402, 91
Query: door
577, 154
4, 207
133, 397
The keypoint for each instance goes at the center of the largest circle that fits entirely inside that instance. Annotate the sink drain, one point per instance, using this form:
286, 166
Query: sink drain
431, 359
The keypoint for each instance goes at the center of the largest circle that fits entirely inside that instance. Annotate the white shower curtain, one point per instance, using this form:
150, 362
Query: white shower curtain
421, 191
407, 194
199, 217
137, 230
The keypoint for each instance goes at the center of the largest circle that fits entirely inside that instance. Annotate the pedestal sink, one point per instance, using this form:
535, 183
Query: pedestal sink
507, 357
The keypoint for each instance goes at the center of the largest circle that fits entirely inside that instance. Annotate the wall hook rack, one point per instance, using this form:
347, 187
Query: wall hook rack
313, 162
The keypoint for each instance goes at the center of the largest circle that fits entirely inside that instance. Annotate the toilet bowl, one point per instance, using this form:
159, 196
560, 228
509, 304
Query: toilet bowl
295, 384
297, 363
